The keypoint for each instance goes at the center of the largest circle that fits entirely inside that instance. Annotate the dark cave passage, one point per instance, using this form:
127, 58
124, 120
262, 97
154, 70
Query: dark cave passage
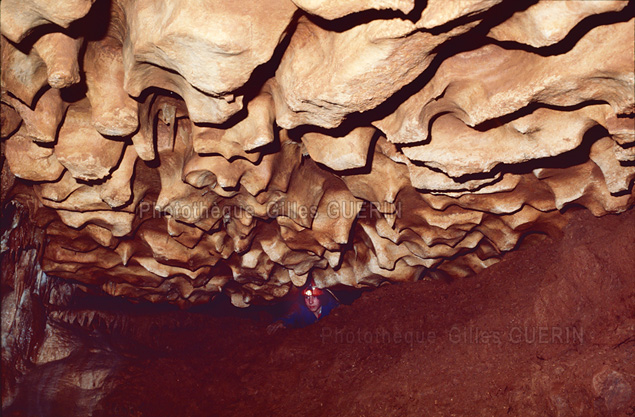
523, 325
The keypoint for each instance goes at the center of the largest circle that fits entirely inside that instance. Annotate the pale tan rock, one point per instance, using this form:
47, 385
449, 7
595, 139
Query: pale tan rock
426, 179
239, 227
220, 174
505, 231
467, 265
506, 196
239, 300
618, 177
442, 231
387, 252
59, 53
57, 191
306, 188
24, 75
184, 234
125, 250
340, 153
19, 17
29, 161
83, 198
69, 194
335, 216
218, 244
361, 269
242, 139
384, 181
438, 12
153, 108
143, 146
172, 45
300, 262
83, 150
624, 154
249, 261
117, 190
482, 85
458, 150
71, 238
42, 123
500, 184
101, 235
114, 111
548, 22
201, 107
99, 256
166, 249
334, 9
483, 141
622, 129
10, 119
118, 222
588, 189
177, 198
389, 167
326, 75
298, 238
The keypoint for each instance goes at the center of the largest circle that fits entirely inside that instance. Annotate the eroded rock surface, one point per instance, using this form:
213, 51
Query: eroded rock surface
173, 150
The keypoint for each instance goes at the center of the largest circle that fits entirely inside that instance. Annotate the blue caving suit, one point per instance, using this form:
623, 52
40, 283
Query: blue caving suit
301, 316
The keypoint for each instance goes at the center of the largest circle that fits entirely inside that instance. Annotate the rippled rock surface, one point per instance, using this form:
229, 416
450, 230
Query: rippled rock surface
173, 150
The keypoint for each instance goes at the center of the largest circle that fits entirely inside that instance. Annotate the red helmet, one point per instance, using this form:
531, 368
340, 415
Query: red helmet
312, 290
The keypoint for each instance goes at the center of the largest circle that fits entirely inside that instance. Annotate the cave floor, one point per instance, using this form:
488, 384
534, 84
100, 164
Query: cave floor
549, 331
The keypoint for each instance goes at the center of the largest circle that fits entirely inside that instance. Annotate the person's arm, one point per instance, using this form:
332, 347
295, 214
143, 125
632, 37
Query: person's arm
330, 304
274, 327
288, 320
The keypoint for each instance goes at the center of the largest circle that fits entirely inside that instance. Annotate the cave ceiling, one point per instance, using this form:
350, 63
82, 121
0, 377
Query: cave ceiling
174, 150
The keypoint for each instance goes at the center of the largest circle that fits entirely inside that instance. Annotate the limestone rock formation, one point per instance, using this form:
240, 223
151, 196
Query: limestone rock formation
174, 150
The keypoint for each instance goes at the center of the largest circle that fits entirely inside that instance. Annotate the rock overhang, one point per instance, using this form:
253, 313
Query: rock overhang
378, 148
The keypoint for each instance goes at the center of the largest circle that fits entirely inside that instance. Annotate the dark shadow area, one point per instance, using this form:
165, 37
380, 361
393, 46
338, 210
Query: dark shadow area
485, 328
74, 93
93, 26
344, 23
220, 305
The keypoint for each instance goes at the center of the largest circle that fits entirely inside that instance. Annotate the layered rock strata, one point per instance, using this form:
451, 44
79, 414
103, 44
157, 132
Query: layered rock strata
177, 149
